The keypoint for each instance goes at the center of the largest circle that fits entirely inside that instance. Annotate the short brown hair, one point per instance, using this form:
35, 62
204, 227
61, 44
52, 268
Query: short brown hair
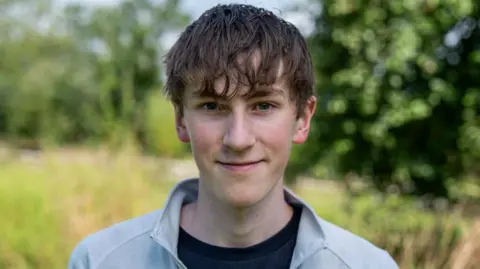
210, 46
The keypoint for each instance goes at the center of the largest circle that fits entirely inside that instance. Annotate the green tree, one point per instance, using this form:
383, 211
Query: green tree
399, 93
36, 67
82, 73
123, 47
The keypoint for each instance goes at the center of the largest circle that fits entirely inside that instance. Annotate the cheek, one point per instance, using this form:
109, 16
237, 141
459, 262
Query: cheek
277, 136
202, 137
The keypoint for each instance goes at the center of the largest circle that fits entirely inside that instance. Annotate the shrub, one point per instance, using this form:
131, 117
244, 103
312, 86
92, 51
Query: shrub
416, 239
160, 133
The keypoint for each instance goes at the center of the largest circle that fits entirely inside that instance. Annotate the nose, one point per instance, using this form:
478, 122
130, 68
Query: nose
238, 135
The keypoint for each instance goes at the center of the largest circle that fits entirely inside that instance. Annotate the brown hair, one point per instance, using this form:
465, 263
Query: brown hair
210, 48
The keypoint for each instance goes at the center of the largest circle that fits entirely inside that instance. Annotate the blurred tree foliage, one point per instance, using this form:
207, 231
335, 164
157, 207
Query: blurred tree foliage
399, 93
398, 84
82, 72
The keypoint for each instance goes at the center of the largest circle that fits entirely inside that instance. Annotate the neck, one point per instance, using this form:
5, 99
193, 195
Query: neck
221, 225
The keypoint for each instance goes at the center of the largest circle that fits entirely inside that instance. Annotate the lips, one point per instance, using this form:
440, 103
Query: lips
240, 166
239, 163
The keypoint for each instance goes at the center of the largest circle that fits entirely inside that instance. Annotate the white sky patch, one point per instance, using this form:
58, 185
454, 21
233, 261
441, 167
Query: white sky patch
195, 8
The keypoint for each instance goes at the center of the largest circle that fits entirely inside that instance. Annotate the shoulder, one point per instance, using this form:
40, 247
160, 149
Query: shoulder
93, 249
355, 251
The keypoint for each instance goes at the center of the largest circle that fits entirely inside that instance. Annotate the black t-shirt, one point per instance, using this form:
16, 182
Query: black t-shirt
274, 253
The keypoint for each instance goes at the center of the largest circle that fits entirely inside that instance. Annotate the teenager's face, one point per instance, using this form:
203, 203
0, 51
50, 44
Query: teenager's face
242, 145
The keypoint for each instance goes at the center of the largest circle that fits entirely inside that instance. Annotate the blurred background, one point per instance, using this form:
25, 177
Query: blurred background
87, 139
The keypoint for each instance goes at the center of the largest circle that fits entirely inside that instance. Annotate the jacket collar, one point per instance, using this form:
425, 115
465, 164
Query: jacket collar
310, 238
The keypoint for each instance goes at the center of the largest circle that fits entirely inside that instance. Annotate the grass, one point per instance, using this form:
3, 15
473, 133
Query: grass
52, 200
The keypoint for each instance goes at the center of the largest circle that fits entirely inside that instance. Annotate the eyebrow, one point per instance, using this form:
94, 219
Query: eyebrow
252, 94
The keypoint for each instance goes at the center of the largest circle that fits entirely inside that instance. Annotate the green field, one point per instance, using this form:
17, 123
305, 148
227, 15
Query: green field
51, 200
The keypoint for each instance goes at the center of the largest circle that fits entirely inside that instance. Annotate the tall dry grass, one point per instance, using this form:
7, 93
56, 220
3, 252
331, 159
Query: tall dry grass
437, 247
52, 200
467, 254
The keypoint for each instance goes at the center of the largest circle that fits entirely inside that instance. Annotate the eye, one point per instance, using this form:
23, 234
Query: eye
211, 106
263, 106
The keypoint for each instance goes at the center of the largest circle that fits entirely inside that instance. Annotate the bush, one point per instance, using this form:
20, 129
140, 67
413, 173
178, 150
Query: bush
414, 237
160, 132
398, 93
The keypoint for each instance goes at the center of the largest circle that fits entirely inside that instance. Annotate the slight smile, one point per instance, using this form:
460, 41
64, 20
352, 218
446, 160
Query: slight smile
240, 166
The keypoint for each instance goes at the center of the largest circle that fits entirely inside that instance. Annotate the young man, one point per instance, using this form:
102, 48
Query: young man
242, 84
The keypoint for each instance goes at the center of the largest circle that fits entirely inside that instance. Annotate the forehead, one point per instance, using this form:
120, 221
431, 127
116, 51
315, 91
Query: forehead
248, 76
228, 88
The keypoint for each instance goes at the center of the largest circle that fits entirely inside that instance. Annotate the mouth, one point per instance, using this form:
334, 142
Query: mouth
240, 166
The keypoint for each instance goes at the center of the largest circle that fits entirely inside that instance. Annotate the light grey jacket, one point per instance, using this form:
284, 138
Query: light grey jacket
150, 241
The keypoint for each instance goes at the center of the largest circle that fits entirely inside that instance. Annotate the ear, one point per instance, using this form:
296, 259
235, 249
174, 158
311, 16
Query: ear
182, 132
302, 126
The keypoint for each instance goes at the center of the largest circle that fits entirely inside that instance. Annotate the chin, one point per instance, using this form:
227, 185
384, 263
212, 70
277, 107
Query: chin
245, 197
242, 203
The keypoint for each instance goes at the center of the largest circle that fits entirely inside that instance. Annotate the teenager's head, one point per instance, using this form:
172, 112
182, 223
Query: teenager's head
242, 82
